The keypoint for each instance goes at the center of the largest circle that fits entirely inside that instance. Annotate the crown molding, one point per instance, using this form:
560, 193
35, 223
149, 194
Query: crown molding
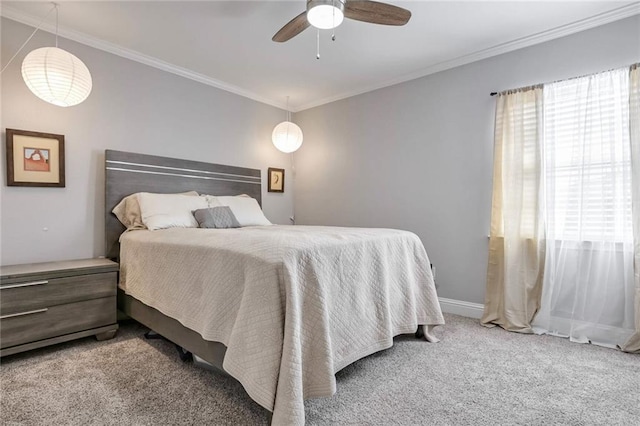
79, 37
565, 30
552, 34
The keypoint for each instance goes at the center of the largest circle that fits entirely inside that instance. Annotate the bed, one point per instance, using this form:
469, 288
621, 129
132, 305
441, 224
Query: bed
279, 308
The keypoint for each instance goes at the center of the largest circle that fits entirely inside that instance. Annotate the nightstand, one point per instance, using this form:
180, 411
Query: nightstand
43, 304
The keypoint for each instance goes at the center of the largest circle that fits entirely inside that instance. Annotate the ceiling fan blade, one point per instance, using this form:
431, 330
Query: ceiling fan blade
292, 28
376, 12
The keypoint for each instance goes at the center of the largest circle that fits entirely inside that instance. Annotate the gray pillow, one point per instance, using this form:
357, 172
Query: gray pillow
216, 217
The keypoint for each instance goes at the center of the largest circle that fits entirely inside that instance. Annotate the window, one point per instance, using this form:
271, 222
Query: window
588, 159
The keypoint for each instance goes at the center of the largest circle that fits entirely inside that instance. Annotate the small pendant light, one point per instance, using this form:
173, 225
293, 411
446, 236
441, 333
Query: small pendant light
287, 136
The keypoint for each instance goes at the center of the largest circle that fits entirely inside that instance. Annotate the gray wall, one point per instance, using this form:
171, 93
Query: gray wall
418, 156
132, 107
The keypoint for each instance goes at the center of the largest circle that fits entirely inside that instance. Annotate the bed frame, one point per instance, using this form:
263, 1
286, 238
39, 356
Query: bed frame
128, 173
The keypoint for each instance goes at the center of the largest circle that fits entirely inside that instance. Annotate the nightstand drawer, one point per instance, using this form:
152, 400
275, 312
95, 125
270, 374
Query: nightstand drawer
36, 294
37, 324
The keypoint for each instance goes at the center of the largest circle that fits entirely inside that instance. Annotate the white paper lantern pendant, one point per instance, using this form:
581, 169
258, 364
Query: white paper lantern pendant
56, 76
287, 136
52, 74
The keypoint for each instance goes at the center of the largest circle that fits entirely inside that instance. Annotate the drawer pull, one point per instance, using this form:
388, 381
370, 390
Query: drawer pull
19, 314
24, 284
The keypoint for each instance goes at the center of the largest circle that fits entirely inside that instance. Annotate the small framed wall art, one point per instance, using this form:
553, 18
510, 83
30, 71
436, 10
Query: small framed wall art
35, 159
276, 180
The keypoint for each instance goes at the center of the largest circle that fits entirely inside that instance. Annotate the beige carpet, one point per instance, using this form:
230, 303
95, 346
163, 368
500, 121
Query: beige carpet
475, 376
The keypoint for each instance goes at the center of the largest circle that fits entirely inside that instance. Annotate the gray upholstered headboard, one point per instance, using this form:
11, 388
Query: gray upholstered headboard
128, 173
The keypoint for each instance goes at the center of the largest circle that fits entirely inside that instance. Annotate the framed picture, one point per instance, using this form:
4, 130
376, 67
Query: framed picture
35, 159
276, 180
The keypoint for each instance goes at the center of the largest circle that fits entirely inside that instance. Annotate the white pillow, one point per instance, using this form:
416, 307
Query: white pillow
212, 200
128, 210
160, 211
246, 209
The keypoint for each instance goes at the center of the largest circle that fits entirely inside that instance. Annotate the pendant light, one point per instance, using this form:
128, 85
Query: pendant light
53, 74
56, 76
287, 136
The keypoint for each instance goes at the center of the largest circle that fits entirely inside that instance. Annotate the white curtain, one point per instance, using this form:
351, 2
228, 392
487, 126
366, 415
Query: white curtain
516, 246
633, 344
588, 286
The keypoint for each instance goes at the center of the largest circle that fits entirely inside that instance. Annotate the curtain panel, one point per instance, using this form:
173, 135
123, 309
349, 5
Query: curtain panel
516, 241
633, 344
588, 285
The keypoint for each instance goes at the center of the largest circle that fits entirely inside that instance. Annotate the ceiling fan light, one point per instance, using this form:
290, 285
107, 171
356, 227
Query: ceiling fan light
56, 76
287, 137
325, 14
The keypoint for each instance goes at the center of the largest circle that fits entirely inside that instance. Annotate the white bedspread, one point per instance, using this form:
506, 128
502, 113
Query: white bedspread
293, 304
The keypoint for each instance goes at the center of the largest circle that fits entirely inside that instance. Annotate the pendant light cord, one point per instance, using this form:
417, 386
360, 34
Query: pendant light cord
55, 6
293, 188
293, 172
288, 112
333, 20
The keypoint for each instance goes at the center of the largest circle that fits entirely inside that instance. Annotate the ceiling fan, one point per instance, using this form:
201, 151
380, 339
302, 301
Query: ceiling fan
327, 14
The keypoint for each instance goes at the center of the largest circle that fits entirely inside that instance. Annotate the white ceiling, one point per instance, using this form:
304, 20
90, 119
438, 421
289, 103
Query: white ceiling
228, 44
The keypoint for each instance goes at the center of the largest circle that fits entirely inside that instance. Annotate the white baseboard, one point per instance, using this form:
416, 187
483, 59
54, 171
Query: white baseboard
460, 307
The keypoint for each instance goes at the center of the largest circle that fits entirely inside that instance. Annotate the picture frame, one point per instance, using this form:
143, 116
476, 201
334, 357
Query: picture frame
35, 159
276, 180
